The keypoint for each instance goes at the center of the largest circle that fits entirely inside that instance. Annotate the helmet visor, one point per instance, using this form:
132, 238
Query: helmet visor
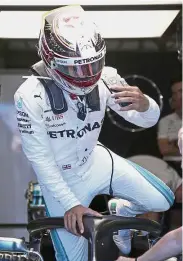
82, 71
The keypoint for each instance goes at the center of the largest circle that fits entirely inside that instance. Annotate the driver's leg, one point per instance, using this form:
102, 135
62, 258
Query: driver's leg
67, 246
140, 190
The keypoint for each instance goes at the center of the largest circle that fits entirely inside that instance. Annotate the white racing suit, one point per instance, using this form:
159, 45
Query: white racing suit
71, 169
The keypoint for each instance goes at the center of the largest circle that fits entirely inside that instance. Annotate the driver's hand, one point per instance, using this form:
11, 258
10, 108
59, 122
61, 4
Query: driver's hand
74, 216
132, 94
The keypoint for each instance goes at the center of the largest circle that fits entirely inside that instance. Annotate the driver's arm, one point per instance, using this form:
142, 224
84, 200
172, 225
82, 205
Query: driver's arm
36, 146
142, 119
145, 119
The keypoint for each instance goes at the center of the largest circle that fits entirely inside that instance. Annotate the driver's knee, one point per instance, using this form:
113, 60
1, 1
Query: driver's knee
158, 203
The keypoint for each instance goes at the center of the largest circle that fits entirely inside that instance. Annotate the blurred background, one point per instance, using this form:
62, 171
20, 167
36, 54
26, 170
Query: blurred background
144, 43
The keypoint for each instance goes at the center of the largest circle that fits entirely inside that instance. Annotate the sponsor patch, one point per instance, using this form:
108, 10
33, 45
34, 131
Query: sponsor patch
72, 133
55, 125
65, 167
26, 131
23, 114
24, 126
54, 117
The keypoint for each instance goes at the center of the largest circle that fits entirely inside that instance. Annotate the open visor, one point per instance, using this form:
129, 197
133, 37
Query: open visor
81, 71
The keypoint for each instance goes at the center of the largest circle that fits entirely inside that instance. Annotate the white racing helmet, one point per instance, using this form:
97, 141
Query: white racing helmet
72, 49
